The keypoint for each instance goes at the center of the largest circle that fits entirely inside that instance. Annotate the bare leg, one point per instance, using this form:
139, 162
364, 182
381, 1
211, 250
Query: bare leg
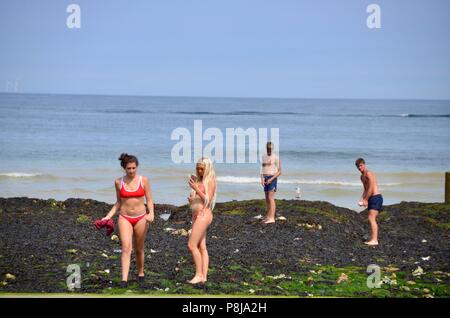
266, 194
373, 227
271, 214
126, 235
140, 232
198, 232
205, 257
272, 204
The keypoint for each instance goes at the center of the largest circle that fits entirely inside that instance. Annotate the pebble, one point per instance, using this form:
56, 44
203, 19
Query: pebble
281, 276
342, 278
181, 232
310, 226
10, 276
418, 271
391, 269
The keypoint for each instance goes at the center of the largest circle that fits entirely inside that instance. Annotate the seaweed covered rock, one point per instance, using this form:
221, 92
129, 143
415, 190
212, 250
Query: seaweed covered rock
41, 238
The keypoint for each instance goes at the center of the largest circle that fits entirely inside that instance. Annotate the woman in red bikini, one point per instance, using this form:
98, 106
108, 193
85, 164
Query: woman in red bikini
133, 218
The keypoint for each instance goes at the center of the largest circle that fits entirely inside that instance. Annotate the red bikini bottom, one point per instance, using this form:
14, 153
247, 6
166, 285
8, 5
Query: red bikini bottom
133, 219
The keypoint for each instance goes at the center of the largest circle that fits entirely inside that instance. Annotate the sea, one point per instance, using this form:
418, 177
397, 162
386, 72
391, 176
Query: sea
67, 146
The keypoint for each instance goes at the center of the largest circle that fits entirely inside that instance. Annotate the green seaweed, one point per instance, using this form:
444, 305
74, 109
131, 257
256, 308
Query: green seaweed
235, 212
83, 219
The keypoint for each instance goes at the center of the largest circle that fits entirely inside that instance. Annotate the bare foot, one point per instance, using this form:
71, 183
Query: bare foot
196, 280
371, 243
268, 221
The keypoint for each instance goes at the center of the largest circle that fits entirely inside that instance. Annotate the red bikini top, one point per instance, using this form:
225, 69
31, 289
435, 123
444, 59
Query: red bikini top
139, 192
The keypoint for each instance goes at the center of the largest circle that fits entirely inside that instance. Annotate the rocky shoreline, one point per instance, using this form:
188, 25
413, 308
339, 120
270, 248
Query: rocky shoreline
314, 248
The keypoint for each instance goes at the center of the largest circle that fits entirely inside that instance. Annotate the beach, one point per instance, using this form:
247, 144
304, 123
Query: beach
306, 141
315, 249
58, 160
65, 146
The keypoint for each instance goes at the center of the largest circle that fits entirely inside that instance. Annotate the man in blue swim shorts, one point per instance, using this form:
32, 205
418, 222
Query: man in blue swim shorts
371, 198
270, 171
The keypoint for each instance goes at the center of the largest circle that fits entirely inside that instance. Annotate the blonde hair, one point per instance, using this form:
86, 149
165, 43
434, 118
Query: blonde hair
208, 175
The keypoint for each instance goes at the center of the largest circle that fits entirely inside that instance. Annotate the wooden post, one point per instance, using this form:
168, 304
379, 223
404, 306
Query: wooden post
447, 187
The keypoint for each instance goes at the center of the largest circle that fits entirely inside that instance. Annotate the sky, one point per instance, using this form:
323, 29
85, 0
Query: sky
227, 48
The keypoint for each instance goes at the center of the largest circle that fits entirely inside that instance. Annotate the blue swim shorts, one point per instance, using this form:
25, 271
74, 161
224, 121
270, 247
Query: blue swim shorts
272, 186
375, 202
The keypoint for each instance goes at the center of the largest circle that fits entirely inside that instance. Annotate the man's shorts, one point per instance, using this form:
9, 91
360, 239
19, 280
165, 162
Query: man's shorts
375, 202
272, 186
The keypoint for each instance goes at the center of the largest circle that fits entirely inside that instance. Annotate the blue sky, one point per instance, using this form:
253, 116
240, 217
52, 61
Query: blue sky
232, 48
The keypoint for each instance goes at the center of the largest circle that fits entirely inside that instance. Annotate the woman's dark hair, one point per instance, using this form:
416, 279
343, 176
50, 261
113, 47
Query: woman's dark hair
126, 159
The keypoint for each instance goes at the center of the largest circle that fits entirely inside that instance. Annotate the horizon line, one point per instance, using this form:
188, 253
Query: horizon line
226, 97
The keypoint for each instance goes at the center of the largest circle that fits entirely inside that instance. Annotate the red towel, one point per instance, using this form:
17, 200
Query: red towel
109, 224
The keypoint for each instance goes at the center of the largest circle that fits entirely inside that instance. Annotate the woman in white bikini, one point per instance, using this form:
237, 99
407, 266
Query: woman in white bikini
202, 200
133, 219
